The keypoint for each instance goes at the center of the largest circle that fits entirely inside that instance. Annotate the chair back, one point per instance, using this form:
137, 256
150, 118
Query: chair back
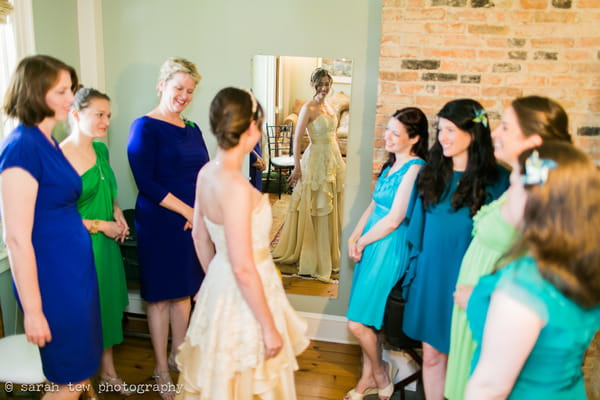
280, 139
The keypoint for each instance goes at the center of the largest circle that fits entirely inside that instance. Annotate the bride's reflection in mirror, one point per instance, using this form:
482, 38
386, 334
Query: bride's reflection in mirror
307, 223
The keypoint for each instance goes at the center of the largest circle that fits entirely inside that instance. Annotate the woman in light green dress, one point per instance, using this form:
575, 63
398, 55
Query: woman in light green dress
525, 123
103, 218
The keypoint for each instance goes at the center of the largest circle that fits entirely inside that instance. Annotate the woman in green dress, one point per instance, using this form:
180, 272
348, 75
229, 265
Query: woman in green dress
102, 217
525, 123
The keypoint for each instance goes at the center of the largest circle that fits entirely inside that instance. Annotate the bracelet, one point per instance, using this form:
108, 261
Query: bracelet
94, 227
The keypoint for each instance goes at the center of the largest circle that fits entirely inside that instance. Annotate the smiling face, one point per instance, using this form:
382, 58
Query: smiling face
93, 121
396, 138
177, 92
322, 88
508, 138
60, 97
454, 141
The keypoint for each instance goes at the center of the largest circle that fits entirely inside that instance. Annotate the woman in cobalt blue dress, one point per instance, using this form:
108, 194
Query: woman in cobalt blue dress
165, 154
49, 248
379, 247
461, 175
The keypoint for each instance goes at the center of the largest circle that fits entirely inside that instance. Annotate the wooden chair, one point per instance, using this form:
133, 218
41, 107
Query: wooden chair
281, 160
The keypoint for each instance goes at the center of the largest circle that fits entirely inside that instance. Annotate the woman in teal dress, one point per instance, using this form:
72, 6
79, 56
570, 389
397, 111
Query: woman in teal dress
103, 218
525, 123
534, 319
460, 177
379, 248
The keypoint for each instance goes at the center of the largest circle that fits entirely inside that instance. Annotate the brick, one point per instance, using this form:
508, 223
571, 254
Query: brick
435, 102
390, 39
459, 91
563, 17
388, 87
588, 4
471, 41
403, 28
548, 68
444, 28
393, 3
410, 89
577, 55
553, 43
534, 4
397, 99
399, 51
561, 3
481, 4
517, 42
490, 79
522, 17
525, 80
587, 68
425, 14
431, 89
398, 76
492, 54
589, 131
589, 41
517, 55
440, 77
470, 79
488, 29
450, 3
594, 106
453, 66
450, 53
506, 67
467, 14
393, 15
545, 55
501, 92
415, 3
420, 64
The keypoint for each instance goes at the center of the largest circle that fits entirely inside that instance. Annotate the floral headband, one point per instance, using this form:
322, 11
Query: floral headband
480, 117
536, 169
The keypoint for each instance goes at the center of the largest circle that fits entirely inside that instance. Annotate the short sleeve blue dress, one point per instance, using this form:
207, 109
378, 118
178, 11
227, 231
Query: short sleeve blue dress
63, 252
384, 261
439, 243
165, 158
553, 369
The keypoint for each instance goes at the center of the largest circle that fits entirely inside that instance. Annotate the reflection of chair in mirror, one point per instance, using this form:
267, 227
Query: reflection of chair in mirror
281, 161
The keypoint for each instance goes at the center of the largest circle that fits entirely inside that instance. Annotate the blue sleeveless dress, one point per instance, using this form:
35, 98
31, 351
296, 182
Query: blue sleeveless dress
63, 252
384, 261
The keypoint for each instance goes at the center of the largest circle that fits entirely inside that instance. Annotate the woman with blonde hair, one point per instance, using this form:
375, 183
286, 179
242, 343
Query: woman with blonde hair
166, 151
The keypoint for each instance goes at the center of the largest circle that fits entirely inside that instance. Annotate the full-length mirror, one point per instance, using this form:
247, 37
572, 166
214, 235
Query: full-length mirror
307, 108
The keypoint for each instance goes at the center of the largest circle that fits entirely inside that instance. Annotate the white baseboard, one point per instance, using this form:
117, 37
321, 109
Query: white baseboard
325, 327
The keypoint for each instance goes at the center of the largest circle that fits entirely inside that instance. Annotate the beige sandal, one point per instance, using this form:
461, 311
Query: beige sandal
387, 392
166, 388
114, 384
354, 395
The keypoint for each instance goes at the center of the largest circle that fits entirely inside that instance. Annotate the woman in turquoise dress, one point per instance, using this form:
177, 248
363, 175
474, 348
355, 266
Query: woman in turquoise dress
379, 247
461, 176
534, 318
102, 217
525, 123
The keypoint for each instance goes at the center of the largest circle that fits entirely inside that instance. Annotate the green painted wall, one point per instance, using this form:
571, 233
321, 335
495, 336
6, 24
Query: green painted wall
221, 37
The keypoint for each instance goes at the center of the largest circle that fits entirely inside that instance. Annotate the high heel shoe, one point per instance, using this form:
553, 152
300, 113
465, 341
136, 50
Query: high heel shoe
166, 388
114, 384
387, 392
354, 395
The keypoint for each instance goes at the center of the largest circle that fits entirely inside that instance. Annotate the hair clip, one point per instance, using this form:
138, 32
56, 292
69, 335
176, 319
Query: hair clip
480, 117
254, 103
536, 169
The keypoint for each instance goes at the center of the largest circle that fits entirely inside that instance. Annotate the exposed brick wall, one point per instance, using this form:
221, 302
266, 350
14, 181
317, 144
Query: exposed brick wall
433, 51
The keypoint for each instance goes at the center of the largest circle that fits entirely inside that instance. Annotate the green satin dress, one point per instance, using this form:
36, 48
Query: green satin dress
99, 189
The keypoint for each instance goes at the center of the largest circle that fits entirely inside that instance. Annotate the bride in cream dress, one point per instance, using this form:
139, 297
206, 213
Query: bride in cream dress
243, 336
310, 237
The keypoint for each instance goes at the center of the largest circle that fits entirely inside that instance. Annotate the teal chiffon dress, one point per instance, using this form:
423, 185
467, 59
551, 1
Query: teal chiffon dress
553, 369
384, 261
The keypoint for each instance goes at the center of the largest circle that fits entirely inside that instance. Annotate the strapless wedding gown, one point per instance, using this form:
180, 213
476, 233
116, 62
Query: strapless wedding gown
222, 356
310, 237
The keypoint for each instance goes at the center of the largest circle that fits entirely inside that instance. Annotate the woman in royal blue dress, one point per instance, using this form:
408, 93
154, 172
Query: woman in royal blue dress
378, 246
49, 248
165, 153
534, 318
460, 176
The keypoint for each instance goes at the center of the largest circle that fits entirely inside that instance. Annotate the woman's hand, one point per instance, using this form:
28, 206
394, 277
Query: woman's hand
295, 176
461, 295
37, 329
273, 342
260, 163
121, 221
355, 250
113, 230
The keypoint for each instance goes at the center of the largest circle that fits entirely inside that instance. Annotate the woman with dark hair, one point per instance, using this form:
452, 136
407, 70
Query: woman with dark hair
378, 246
310, 238
243, 335
534, 318
460, 176
49, 248
525, 123
102, 217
